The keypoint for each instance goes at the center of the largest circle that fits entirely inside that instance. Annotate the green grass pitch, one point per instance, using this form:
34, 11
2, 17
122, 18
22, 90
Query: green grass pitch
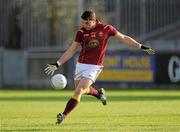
126, 111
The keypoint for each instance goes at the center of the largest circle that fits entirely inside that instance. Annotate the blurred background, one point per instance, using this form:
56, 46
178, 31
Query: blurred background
36, 32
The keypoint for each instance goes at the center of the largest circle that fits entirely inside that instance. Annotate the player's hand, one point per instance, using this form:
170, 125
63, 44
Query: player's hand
147, 49
51, 68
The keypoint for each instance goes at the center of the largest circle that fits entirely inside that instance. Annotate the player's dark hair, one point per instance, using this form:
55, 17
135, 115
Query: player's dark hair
88, 15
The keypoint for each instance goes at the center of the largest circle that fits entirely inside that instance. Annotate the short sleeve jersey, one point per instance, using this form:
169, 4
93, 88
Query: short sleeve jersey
94, 43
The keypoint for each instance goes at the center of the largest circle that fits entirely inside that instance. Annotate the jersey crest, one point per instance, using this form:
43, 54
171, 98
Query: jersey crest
93, 44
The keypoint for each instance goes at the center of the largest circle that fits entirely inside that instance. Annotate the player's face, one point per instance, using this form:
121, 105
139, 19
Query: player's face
88, 24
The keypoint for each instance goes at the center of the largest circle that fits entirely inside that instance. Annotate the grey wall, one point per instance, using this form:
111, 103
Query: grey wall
25, 69
1, 71
14, 68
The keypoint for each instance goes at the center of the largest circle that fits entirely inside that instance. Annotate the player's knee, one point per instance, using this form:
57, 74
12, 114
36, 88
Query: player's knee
81, 86
79, 91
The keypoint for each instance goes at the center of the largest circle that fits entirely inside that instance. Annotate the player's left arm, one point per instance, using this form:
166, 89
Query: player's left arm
130, 41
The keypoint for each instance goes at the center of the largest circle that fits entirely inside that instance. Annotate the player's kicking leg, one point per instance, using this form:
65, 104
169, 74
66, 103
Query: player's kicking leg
82, 86
71, 104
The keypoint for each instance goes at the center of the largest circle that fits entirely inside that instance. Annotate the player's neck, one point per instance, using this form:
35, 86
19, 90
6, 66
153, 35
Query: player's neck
93, 26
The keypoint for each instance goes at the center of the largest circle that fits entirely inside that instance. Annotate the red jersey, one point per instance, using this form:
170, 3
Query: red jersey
94, 43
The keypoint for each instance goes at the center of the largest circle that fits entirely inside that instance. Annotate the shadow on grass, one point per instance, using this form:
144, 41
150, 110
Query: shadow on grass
89, 98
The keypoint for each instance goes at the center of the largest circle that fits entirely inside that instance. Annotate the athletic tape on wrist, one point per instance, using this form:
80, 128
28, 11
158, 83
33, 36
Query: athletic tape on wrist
58, 63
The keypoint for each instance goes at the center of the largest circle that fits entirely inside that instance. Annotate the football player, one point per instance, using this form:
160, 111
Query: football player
93, 40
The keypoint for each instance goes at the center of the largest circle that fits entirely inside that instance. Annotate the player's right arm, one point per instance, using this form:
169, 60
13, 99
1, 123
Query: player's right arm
51, 68
69, 53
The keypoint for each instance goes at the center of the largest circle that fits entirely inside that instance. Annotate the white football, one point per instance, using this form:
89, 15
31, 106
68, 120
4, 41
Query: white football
58, 81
